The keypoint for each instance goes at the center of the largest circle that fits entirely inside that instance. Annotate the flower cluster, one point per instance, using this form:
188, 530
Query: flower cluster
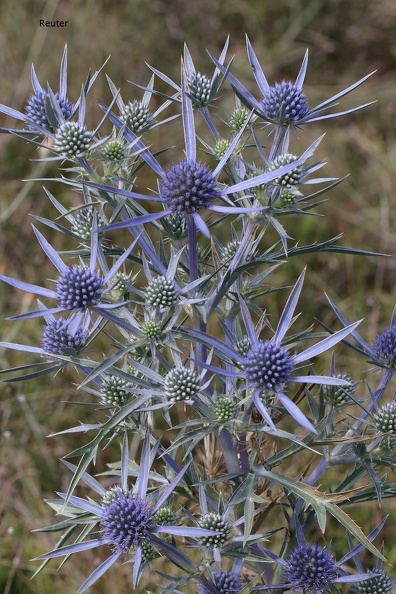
171, 330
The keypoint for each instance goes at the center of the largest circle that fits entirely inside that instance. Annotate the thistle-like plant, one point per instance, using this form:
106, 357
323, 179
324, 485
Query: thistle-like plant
171, 332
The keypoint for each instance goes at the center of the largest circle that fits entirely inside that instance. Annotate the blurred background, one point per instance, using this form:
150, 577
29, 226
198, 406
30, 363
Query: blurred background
346, 40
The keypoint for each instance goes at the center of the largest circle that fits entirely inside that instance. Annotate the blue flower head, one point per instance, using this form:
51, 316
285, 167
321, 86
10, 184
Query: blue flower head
267, 365
126, 521
78, 287
36, 109
58, 339
383, 349
225, 582
310, 569
188, 186
130, 518
285, 104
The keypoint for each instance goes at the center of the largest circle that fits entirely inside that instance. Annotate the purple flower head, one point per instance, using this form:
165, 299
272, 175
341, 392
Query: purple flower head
78, 287
59, 340
383, 349
285, 104
310, 569
126, 521
187, 187
130, 518
267, 365
36, 109
225, 582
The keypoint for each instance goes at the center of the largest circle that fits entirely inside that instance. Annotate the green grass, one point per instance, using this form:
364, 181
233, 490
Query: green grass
346, 41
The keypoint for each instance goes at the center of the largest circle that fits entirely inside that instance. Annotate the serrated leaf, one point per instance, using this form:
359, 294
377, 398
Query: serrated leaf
322, 503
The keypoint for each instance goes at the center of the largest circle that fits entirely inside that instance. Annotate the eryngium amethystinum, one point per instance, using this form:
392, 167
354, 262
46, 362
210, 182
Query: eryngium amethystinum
385, 418
199, 87
188, 186
114, 391
218, 524
267, 365
126, 521
36, 111
72, 139
78, 287
291, 179
285, 104
379, 584
136, 116
225, 582
181, 384
310, 569
383, 348
58, 340
161, 292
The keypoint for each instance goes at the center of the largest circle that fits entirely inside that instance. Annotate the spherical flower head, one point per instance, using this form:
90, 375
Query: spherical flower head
339, 395
114, 391
229, 250
380, 584
136, 116
161, 292
267, 365
243, 346
221, 147
165, 515
383, 349
126, 522
148, 552
187, 187
199, 86
215, 522
153, 330
225, 582
175, 225
285, 104
72, 139
83, 220
180, 384
288, 180
238, 118
310, 569
288, 198
225, 409
114, 150
78, 288
35, 109
385, 418
57, 339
